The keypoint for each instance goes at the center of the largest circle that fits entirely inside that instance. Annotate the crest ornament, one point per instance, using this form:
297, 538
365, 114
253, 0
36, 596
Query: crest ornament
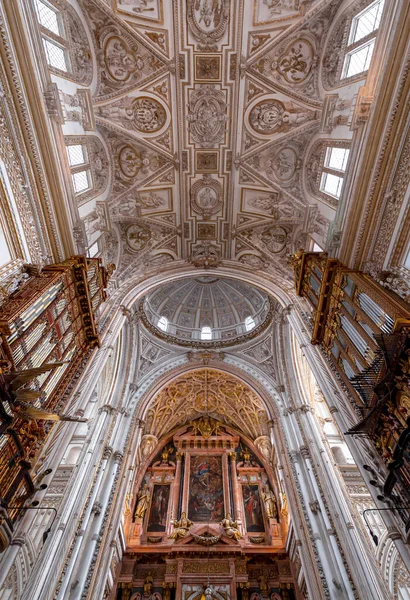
207, 116
122, 64
271, 116
208, 19
206, 196
143, 114
274, 239
295, 64
137, 237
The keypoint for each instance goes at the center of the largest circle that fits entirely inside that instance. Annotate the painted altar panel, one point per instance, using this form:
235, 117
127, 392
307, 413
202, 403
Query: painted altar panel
157, 520
206, 490
252, 508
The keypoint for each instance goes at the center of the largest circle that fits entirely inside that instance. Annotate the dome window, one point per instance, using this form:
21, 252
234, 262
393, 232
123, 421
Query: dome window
163, 323
206, 333
249, 323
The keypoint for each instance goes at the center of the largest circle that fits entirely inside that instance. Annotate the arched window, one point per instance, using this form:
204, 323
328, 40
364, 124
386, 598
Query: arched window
64, 39
334, 168
249, 323
349, 51
326, 166
163, 323
362, 37
206, 333
89, 166
80, 172
52, 33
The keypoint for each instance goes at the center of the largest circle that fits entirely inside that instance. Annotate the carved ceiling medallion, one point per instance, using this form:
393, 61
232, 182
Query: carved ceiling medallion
274, 239
208, 19
206, 196
284, 163
137, 237
122, 64
207, 116
150, 115
295, 64
130, 162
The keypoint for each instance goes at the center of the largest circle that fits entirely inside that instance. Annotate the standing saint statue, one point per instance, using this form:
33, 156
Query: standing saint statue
269, 500
143, 500
231, 527
181, 527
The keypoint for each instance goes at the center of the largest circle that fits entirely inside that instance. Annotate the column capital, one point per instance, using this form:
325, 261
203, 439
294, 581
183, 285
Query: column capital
118, 456
107, 452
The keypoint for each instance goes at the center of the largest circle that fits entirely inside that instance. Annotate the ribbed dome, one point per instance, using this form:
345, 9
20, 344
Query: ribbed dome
206, 311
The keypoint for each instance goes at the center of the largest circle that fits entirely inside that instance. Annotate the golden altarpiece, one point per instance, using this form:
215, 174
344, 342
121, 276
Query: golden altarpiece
208, 511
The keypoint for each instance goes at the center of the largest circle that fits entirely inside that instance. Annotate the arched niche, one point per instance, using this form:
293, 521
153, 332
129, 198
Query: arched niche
205, 451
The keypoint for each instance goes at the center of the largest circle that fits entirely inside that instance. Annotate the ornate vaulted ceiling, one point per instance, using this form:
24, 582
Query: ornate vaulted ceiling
208, 108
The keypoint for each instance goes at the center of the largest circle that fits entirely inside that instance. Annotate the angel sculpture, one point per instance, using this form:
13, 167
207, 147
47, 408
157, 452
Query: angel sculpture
181, 527
231, 527
19, 398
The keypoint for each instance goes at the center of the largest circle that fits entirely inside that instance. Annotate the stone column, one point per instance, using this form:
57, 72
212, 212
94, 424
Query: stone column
237, 497
177, 486
84, 561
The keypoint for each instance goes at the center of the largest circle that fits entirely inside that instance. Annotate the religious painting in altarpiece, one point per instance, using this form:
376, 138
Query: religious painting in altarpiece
206, 499
157, 520
252, 508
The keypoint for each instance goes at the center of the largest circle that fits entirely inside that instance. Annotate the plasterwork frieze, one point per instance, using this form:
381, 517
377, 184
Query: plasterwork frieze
124, 58
143, 113
292, 63
271, 116
151, 10
268, 11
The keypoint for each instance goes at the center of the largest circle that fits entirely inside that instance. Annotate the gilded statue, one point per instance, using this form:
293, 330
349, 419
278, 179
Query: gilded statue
165, 454
148, 583
246, 455
231, 527
269, 500
263, 586
284, 510
144, 498
181, 527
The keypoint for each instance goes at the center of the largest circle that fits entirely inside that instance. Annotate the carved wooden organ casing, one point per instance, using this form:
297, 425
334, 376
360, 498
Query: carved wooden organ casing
51, 318
363, 329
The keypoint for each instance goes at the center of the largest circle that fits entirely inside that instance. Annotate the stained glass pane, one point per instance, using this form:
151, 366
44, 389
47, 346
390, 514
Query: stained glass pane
55, 55
366, 22
75, 155
80, 181
47, 17
358, 61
